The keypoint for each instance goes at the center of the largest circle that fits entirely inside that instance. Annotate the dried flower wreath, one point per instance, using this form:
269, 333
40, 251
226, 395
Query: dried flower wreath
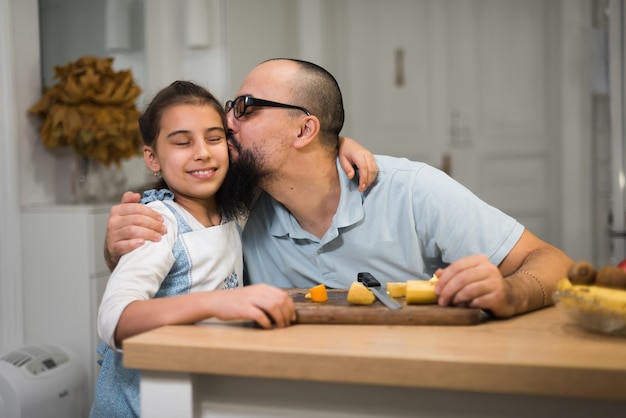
92, 109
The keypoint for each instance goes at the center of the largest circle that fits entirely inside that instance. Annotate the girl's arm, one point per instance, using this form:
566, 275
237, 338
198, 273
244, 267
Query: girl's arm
268, 306
138, 276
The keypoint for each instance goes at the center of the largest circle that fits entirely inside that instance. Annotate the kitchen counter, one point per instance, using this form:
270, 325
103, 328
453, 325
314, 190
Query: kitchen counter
538, 357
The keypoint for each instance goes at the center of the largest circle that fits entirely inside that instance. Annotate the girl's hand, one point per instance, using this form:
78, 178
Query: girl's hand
267, 305
352, 154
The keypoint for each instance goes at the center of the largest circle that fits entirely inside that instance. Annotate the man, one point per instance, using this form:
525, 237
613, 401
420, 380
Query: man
312, 225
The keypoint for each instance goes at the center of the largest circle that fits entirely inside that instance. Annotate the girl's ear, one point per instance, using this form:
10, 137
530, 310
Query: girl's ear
308, 131
150, 158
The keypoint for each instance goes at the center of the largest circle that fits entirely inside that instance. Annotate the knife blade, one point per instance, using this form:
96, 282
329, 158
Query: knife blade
375, 287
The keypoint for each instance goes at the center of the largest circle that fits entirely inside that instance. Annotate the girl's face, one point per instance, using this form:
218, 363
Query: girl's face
192, 154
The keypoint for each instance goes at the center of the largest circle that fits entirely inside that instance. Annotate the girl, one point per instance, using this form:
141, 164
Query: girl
195, 271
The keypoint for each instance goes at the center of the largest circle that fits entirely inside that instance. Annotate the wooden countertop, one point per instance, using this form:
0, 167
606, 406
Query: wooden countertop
542, 353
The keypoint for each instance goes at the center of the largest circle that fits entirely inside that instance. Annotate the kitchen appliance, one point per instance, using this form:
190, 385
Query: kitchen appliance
42, 381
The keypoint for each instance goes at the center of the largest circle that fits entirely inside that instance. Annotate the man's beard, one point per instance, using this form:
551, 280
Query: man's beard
240, 188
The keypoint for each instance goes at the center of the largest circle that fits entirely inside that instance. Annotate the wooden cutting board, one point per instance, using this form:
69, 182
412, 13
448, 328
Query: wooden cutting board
337, 310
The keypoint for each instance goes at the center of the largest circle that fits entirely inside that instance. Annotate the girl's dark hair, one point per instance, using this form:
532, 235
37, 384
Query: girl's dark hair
177, 93
180, 93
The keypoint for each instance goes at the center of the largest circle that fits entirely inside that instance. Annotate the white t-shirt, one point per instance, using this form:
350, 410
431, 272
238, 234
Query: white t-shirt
189, 258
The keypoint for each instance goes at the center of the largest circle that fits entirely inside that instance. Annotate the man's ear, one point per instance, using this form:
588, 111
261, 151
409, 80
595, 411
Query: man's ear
309, 131
149, 157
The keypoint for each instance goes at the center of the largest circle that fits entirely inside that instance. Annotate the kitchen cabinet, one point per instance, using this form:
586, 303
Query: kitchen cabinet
64, 276
467, 86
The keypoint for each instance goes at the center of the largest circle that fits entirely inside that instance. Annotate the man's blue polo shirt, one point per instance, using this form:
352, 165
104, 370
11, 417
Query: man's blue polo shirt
414, 218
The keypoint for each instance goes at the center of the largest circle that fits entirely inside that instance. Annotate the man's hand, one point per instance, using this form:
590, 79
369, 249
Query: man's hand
476, 282
524, 281
130, 225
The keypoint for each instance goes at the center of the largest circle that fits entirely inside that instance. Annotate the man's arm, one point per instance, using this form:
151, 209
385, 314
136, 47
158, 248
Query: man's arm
524, 281
532, 270
131, 223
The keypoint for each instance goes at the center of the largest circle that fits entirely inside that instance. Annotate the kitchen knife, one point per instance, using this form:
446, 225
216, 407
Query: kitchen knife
374, 286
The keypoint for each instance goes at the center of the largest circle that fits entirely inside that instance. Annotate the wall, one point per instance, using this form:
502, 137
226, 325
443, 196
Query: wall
273, 19
575, 122
69, 29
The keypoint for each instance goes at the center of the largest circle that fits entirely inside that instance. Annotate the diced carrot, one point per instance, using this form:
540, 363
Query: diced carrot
318, 293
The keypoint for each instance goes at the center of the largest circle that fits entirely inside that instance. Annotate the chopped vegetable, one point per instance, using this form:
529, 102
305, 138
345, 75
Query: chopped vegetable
318, 293
421, 292
358, 294
396, 289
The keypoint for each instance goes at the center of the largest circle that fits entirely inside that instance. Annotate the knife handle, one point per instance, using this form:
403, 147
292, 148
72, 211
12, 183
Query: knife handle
368, 279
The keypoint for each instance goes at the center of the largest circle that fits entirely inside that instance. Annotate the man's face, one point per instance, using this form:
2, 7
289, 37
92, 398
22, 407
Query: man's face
264, 131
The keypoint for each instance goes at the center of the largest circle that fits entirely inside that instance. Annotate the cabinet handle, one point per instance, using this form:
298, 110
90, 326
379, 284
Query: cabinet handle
399, 64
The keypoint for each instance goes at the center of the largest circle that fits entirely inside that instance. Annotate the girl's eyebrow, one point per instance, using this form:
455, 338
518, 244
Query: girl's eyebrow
174, 133
184, 131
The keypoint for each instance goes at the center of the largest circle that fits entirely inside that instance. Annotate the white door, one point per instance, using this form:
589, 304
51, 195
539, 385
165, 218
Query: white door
472, 80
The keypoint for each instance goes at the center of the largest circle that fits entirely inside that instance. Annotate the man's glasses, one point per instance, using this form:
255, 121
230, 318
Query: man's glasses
241, 104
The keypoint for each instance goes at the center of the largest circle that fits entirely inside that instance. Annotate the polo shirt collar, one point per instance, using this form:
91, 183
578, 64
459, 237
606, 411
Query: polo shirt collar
349, 212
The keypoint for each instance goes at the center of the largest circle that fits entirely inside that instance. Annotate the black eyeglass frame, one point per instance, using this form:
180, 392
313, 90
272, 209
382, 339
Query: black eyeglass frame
249, 101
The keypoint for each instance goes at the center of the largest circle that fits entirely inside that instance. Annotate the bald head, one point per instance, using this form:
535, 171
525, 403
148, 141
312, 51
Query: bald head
312, 87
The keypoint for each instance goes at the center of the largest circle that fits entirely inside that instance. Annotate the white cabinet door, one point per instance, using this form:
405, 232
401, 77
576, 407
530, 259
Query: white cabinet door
474, 80
393, 77
64, 276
